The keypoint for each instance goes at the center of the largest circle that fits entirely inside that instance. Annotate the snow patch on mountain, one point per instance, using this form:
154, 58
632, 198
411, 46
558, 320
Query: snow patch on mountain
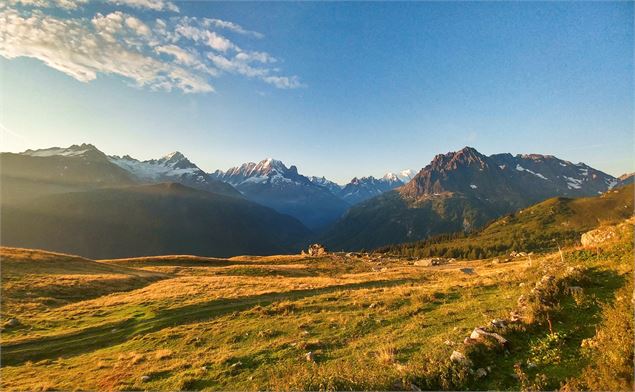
520, 168
72, 151
573, 183
171, 165
407, 175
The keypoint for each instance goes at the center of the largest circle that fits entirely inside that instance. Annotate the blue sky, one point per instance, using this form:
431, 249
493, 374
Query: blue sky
338, 89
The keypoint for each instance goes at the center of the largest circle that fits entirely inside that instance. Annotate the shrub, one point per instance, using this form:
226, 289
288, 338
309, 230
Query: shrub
526, 385
548, 350
611, 366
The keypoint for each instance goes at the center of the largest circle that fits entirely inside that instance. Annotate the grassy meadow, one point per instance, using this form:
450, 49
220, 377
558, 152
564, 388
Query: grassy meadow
335, 322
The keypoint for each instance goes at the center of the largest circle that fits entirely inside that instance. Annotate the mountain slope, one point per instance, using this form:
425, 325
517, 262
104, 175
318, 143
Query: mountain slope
461, 191
54, 170
541, 227
361, 189
333, 187
149, 220
83, 167
174, 167
624, 179
282, 188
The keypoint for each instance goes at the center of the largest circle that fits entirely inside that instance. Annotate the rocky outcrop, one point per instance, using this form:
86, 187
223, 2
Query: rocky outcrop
316, 250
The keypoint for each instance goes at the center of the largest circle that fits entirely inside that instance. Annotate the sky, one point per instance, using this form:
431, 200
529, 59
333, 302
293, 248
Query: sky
337, 89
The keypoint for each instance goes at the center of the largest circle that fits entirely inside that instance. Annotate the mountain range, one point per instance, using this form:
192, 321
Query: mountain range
461, 191
315, 201
270, 203
271, 183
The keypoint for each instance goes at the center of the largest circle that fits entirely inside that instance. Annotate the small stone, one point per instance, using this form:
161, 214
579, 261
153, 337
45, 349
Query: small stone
458, 357
12, 322
498, 323
480, 373
531, 365
145, 378
310, 357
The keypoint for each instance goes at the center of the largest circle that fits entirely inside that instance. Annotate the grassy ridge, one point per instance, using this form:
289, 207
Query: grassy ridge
542, 227
34, 280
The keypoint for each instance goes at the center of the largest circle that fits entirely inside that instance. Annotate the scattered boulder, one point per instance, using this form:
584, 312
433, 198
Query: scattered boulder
439, 261
598, 236
480, 373
468, 271
316, 250
432, 262
458, 357
310, 357
497, 323
145, 378
480, 333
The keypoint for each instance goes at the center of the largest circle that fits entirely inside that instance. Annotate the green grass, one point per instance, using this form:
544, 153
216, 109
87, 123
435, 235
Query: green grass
248, 323
540, 228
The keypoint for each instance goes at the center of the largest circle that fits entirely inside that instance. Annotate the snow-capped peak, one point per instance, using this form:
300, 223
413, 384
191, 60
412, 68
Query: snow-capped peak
72, 151
406, 175
171, 165
176, 155
391, 177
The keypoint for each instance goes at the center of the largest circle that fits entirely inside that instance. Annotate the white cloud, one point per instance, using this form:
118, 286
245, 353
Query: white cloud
223, 24
180, 53
201, 35
72, 47
284, 82
239, 64
66, 4
261, 57
156, 5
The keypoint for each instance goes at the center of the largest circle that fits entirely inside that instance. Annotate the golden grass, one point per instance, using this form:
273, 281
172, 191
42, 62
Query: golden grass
248, 323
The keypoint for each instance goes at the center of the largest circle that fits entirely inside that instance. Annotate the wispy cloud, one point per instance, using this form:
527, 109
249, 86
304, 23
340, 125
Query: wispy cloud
156, 5
174, 53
